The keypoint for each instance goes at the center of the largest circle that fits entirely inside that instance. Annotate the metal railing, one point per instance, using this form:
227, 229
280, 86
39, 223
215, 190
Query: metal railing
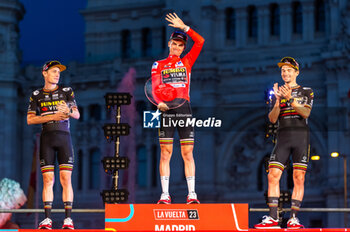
53, 210
327, 210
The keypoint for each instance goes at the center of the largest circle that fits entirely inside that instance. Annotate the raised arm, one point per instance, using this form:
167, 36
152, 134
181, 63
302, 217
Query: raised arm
198, 40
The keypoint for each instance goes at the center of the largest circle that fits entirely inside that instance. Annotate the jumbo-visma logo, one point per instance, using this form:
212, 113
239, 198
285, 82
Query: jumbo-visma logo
151, 119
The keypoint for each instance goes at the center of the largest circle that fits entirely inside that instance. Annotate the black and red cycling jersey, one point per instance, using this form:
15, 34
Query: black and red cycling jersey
176, 71
288, 117
43, 102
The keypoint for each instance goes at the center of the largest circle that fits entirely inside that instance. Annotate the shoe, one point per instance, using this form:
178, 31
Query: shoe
268, 223
293, 223
164, 199
68, 224
46, 224
192, 199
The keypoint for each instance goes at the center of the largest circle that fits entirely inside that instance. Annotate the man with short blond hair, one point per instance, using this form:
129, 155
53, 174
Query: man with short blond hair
52, 106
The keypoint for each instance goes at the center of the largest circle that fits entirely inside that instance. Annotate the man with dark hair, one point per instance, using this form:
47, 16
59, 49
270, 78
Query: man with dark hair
176, 72
291, 107
52, 106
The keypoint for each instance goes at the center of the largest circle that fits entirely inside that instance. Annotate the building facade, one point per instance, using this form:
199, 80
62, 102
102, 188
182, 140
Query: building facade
236, 68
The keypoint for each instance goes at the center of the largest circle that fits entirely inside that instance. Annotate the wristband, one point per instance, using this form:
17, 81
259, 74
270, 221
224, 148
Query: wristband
291, 100
186, 29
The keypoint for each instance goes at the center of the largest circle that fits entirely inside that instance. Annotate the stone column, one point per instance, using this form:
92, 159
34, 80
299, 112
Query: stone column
157, 43
208, 14
334, 25
241, 27
286, 23
263, 25
220, 30
136, 43
308, 21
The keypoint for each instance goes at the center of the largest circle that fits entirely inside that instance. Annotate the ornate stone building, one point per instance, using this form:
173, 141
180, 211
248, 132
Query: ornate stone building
11, 13
237, 66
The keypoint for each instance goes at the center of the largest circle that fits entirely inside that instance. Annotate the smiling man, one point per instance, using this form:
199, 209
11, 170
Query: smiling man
52, 106
291, 107
176, 72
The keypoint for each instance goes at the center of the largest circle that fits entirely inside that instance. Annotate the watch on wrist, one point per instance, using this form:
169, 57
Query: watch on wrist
291, 100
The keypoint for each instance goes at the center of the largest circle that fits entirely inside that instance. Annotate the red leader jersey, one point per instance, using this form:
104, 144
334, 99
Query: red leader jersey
176, 71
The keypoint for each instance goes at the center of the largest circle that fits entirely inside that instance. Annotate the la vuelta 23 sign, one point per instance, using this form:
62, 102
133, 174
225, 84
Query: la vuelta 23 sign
176, 217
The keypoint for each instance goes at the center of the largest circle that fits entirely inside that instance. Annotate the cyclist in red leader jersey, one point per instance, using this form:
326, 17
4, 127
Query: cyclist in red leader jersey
177, 73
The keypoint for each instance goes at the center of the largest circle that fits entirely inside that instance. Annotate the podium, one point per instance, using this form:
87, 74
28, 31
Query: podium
176, 217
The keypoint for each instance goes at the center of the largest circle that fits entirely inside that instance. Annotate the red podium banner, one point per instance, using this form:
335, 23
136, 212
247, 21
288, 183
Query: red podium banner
176, 217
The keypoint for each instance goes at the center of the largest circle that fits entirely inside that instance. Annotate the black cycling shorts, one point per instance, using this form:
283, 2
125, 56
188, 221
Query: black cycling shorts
179, 119
291, 141
52, 142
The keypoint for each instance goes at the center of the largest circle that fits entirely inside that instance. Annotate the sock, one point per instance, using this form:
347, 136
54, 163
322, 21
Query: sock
68, 208
273, 204
165, 184
47, 207
190, 184
295, 208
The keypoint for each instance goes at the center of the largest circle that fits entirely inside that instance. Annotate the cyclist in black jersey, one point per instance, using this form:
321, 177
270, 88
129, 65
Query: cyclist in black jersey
52, 106
290, 108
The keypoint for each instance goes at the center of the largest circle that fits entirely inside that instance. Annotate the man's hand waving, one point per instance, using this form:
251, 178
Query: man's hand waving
175, 21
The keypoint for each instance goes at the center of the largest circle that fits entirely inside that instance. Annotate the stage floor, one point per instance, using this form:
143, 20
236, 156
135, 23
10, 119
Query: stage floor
267, 230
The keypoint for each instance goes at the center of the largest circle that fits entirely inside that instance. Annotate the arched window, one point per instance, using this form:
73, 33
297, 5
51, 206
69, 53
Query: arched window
320, 16
154, 168
141, 106
262, 173
230, 24
95, 112
274, 19
146, 42
80, 171
297, 18
82, 115
142, 166
94, 168
252, 22
164, 39
126, 44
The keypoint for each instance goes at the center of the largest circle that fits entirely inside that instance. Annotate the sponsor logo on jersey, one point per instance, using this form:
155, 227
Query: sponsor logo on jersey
174, 70
155, 65
179, 64
161, 133
66, 89
36, 92
178, 85
51, 103
174, 75
304, 159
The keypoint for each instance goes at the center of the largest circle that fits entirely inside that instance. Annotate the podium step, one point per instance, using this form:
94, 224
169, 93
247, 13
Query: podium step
36, 230
176, 217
